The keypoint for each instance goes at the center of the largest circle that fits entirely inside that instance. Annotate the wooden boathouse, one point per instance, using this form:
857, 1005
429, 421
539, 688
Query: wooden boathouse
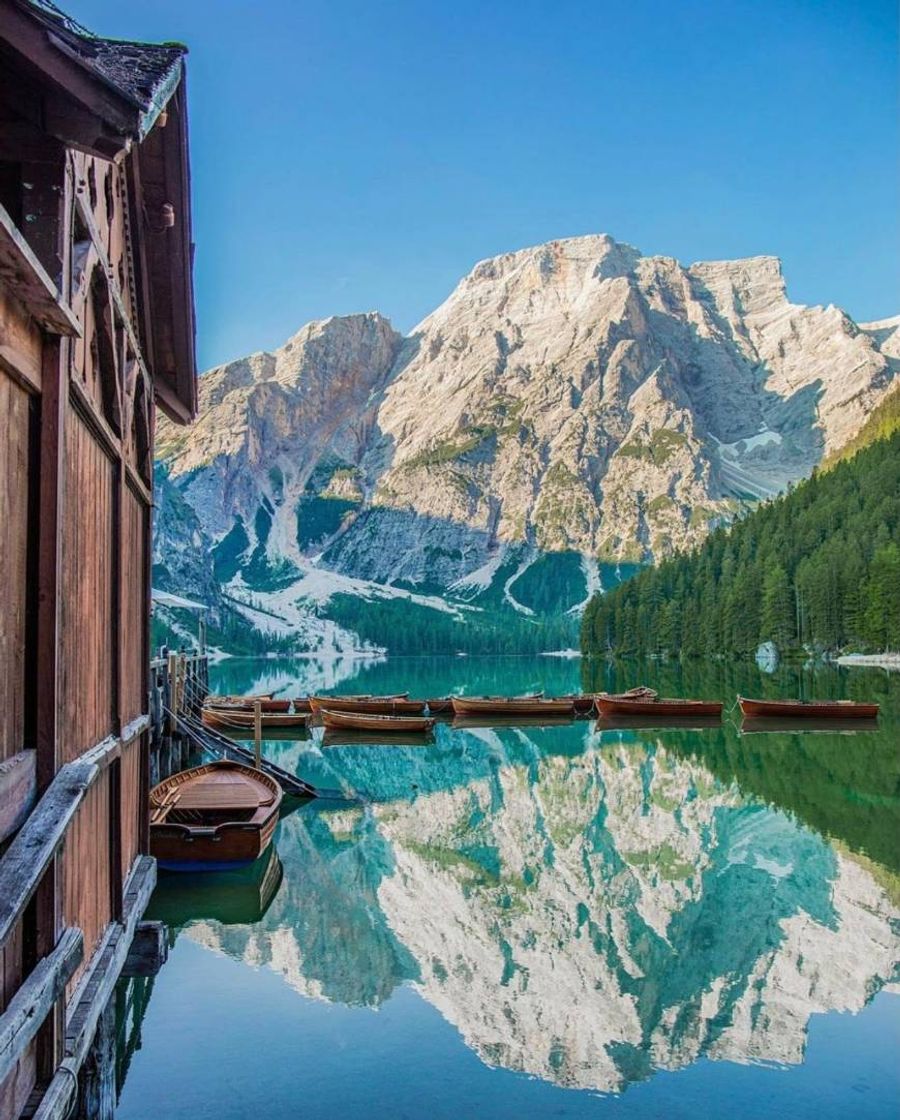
96, 333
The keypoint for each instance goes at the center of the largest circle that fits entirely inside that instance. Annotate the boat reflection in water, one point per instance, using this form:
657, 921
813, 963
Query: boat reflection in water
238, 897
587, 908
801, 726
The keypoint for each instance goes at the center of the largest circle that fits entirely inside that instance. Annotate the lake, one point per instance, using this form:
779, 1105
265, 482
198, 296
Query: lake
544, 921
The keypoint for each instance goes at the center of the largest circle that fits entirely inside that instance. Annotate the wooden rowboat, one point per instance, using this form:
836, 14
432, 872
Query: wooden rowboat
359, 721
234, 720
368, 705
583, 703
245, 704
213, 817
440, 706
624, 705
228, 699
512, 706
809, 709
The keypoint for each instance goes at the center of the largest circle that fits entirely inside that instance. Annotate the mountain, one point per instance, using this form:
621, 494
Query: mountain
818, 568
570, 409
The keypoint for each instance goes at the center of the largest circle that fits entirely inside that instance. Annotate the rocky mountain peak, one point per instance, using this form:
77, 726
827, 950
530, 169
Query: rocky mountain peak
575, 397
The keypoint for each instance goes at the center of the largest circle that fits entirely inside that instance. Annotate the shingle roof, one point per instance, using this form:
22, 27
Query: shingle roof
144, 74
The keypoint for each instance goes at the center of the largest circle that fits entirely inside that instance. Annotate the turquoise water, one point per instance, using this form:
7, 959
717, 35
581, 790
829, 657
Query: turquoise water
544, 922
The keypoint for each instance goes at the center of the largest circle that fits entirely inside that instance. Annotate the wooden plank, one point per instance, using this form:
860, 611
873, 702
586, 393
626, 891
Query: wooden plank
97, 984
18, 791
34, 1000
16, 488
31, 852
21, 341
45, 921
87, 217
21, 269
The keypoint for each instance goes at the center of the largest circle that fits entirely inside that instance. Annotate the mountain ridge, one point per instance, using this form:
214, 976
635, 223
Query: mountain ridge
574, 399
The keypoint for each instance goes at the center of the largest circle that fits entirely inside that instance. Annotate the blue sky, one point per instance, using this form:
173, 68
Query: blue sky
352, 156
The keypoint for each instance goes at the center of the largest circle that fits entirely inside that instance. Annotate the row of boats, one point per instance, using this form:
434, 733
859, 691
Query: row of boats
223, 814
398, 713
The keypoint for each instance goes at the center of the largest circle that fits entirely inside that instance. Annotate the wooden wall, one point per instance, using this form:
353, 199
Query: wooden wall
15, 447
14, 507
135, 655
89, 635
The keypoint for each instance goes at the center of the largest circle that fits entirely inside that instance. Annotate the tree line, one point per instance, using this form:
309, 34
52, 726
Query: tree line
817, 568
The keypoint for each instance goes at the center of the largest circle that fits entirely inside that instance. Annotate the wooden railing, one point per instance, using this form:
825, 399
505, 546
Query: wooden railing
29, 857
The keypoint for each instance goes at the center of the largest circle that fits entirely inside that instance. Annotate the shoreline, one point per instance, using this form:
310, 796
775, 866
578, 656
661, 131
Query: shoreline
876, 660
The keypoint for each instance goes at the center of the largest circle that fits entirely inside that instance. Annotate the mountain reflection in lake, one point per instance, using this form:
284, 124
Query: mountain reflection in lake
588, 908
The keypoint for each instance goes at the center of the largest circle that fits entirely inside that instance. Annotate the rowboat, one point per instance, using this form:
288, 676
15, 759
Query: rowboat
583, 703
512, 706
213, 817
440, 706
368, 705
623, 705
809, 709
235, 719
359, 721
247, 704
302, 704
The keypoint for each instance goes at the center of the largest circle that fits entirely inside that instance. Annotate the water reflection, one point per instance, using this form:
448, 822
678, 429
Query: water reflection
585, 906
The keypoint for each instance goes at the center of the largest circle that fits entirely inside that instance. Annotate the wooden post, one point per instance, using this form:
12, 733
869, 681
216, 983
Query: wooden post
169, 692
257, 733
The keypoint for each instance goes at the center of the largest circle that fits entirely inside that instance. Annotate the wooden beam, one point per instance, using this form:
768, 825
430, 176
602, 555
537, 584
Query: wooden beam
49, 55
88, 412
37, 842
34, 1000
18, 792
97, 985
27, 277
94, 991
87, 217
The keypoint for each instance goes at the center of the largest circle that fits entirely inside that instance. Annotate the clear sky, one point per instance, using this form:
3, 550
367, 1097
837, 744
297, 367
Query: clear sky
355, 155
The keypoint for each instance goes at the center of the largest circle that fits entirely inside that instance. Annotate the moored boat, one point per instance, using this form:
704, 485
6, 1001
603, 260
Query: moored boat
583, 702
369, 705
512, 706
624, 704
238, 719
809, 709
248, 703
360, 721
213, 817
440, 706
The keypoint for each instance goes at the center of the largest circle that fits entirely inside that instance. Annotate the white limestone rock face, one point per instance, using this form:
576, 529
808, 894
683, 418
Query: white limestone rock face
576, 396
579, 395
267, 420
